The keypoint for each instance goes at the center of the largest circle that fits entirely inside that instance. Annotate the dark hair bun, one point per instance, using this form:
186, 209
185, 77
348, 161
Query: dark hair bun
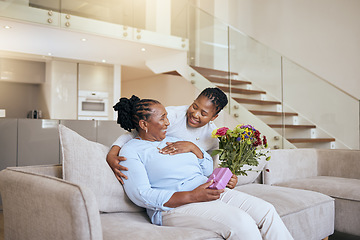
126, 109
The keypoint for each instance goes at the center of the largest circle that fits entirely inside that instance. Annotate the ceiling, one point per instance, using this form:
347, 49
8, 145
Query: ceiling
42, 43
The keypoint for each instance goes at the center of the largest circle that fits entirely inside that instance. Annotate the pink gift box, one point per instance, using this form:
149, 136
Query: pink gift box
221, 177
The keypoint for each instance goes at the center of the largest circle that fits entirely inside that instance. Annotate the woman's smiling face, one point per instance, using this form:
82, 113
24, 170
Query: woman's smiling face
201, 112
157, 123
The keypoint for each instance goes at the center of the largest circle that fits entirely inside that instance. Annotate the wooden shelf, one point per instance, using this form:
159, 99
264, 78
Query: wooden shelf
255, 101
291, 126
310, 140
241, 90
271, 113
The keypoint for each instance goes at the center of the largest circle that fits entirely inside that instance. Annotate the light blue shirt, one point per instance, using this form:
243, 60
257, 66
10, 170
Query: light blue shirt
154, 177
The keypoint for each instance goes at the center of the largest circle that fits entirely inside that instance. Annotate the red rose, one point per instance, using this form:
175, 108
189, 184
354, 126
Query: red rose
264, 141
222, 131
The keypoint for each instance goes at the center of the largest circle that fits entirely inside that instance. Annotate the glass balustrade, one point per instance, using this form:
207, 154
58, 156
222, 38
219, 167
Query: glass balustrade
37, 11
319, 103
292, 105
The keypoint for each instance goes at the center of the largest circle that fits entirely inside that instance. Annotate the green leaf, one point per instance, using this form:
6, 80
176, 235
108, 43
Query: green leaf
216, 152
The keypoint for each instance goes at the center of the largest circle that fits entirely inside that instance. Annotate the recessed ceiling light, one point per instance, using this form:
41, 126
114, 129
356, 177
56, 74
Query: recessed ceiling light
49, 53
143, 49
104, 61
7, 27
84, 39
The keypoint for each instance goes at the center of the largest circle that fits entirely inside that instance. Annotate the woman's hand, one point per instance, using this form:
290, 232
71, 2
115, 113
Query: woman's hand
204, 194
181, 147
200, 194
232, 182
114, 160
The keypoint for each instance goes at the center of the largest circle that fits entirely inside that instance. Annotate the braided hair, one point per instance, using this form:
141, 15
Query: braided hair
132, 110
216, 96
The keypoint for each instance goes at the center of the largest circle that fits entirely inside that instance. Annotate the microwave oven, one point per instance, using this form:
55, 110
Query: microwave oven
93, 104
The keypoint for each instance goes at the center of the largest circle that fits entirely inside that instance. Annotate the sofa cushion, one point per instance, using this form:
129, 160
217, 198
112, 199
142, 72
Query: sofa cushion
305, 213
336, 187
288, 164
127, 226
84, 163
338, 163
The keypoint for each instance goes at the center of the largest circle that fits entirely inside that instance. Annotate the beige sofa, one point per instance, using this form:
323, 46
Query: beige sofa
335, 173
83, 200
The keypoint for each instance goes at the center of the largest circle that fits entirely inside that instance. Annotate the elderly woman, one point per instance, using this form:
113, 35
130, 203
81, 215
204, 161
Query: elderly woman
173, 188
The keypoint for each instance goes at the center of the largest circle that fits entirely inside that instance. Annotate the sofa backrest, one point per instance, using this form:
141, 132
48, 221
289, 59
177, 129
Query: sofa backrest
343, 163
288, 164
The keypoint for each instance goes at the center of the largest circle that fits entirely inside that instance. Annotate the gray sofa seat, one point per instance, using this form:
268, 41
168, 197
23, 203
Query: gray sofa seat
336, 187
297, 207
138, 226
331, 172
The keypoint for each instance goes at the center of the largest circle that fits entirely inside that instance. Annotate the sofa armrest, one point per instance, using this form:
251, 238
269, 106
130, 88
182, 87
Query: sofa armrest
342, 163
288, 164
43, 207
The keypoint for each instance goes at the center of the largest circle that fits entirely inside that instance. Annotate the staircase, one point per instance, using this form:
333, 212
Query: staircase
270, 111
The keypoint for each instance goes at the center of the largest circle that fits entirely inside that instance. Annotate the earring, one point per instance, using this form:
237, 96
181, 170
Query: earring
146, 130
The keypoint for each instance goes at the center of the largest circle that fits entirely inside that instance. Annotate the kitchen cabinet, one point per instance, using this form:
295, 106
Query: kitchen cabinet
22, 71
38, 142
60, 89
97, 78
108, 132
8, 144
85, 128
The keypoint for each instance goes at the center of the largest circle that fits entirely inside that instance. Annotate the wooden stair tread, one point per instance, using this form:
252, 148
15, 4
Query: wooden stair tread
310, 140
173, 73
255, 101
291, 126
209, 71
225, 80
271, 113
241, 90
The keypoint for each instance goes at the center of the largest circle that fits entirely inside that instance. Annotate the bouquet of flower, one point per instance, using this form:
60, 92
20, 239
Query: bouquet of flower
239, 147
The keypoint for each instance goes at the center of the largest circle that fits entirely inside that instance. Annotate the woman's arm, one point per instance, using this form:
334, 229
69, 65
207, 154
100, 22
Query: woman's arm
113, 158
138, 187
199, 194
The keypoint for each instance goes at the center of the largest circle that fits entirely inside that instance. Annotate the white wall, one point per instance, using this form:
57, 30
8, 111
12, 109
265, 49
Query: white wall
322, 36
169, 90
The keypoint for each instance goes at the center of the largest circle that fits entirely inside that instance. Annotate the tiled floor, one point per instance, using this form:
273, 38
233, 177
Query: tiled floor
335, 236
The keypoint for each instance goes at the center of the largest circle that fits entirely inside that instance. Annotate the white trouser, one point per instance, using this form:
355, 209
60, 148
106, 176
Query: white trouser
236, 215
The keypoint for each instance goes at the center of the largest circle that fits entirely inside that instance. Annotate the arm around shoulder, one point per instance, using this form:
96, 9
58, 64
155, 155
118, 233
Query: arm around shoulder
113, 159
